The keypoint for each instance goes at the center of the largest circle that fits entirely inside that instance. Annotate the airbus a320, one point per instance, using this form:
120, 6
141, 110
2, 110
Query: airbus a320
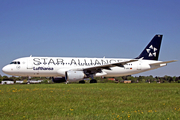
70, 69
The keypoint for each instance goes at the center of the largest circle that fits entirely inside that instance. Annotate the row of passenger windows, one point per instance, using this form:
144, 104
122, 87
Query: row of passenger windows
128, 64
88, 64
70, 63
15, 62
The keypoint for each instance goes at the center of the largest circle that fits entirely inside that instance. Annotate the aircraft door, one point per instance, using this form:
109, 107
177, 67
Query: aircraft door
29, 63
139, 66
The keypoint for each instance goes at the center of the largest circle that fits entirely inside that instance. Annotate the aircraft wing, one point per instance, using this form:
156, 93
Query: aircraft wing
162, 63
107, 66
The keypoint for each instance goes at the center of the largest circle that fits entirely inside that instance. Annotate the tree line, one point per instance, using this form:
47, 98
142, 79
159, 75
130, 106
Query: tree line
134, 79
151, 79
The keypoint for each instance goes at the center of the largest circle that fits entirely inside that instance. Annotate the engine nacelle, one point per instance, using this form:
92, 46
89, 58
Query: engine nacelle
58, 79
73, 76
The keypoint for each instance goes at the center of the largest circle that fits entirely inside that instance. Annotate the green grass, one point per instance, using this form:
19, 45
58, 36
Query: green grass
139, 101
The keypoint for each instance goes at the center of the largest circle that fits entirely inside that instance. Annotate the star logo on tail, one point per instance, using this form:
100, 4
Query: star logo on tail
152, 51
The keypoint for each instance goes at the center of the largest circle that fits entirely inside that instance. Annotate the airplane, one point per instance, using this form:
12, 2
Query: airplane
72, 69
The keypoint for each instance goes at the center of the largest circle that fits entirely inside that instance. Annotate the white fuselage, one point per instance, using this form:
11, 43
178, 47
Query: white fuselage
57, 66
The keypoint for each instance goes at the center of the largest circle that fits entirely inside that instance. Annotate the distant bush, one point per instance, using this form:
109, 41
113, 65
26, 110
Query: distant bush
104, 80
25, 81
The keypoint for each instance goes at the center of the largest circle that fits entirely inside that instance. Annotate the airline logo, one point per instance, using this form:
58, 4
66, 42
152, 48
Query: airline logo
152, 51
42, 68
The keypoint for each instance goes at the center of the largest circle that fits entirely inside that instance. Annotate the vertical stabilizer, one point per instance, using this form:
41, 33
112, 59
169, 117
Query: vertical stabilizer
151, 52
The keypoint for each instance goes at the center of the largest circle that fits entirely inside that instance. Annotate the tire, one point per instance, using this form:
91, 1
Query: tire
93, 81
82, 81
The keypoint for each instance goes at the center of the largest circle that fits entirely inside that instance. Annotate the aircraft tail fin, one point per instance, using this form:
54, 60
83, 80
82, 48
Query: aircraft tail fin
151, 52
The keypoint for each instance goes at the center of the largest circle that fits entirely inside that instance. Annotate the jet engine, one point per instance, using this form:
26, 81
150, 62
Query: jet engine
73, 76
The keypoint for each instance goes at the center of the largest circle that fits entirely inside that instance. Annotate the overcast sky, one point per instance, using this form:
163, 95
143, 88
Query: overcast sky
89, 28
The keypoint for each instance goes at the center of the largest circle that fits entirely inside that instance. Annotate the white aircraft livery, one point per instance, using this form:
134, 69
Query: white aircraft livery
70, 69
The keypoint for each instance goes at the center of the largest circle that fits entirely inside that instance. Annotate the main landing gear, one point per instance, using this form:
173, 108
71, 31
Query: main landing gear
93, 81
82, 81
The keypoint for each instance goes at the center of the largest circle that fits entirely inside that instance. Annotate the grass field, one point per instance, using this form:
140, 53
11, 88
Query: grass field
139, 101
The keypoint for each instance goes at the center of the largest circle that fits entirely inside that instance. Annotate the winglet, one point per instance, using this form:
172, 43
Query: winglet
141, 58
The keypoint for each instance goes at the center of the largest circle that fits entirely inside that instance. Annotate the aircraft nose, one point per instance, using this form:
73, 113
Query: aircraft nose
5, 69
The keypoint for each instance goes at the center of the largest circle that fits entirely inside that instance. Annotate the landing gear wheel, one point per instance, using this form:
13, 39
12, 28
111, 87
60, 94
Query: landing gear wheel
93, 81
67, 82
82, 81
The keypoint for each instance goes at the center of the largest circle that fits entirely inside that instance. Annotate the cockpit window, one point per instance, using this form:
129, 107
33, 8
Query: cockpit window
15, 62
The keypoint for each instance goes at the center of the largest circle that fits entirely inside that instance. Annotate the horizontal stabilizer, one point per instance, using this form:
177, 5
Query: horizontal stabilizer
159, 63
